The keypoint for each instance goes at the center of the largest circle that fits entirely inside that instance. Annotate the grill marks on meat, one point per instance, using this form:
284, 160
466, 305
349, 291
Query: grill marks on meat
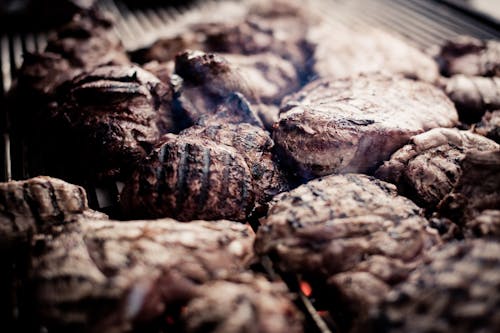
470, 56
456, 292
108, 119
207, 172
352, 230
352, 125
431, 165
107, 276
347, 53
245, 303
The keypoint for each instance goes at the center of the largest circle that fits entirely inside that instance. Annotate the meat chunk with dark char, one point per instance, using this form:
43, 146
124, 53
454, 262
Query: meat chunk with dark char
105, 121
245, 303
470, 56
352, 231
429, 167
456, 292
353, 125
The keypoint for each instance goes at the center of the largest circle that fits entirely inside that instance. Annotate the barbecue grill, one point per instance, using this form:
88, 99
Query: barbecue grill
423, 23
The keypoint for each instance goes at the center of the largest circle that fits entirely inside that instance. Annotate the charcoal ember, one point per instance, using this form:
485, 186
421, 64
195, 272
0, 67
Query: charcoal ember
352, 125
162, 70
269, 114
456, 292
165, 49
106, 120
348, 53
351, 230
489, 126
470, 56
429, 167
244, 303
111, 276
190, 178
486, 224
477, 188
473, 95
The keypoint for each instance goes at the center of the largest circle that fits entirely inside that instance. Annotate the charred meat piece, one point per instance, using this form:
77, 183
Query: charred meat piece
106, 120
489, 126
456, 292
190, 178
109, 276
348, 53
470, 56
242, 304
429, 167
473, 95
352, 125
352, 230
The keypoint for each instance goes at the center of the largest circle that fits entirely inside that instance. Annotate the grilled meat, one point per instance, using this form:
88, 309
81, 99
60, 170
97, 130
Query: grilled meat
429, 167
489, 126
456, 292
470, 56
105, 121
473, 95
242, 304
348, 53
352, 125
352, 230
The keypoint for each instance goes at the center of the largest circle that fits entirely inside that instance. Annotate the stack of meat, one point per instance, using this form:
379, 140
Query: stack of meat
345, 150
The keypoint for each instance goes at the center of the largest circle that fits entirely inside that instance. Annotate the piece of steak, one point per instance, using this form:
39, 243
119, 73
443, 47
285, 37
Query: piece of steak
246, 303
353, 125
489, 126
348, 53
470, 56
456, 292
473, 95
429, 167
105, 121
352, 231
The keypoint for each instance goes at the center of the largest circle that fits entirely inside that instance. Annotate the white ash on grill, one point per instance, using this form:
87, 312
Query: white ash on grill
352, 231
353, 125
431, 165
470, 56
210, 171
242, 304
489, 126
456, 292
105, 121
348, 53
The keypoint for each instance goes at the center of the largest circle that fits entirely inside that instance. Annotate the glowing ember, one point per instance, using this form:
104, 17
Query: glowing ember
305, 288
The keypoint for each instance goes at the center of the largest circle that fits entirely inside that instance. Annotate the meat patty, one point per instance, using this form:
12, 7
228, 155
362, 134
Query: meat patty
106, 120
489, 126
352, 125
348, 53
352, 231
246, 304
429, 167
456, 292
470, 56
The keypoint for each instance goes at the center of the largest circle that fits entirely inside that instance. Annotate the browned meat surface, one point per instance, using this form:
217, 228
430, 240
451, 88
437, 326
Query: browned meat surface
242, 304
353, 231
352, 125
489, 126
207, 172
456, 292
470, 56
106, 120
429, 167
473, 95
348, 53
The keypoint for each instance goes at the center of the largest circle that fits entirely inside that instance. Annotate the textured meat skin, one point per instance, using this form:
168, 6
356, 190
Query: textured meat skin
352, 125
428, 168
473, 95
352, 230
107, 119
456, 292
470, 56
348, 53
242, 304
489, 126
